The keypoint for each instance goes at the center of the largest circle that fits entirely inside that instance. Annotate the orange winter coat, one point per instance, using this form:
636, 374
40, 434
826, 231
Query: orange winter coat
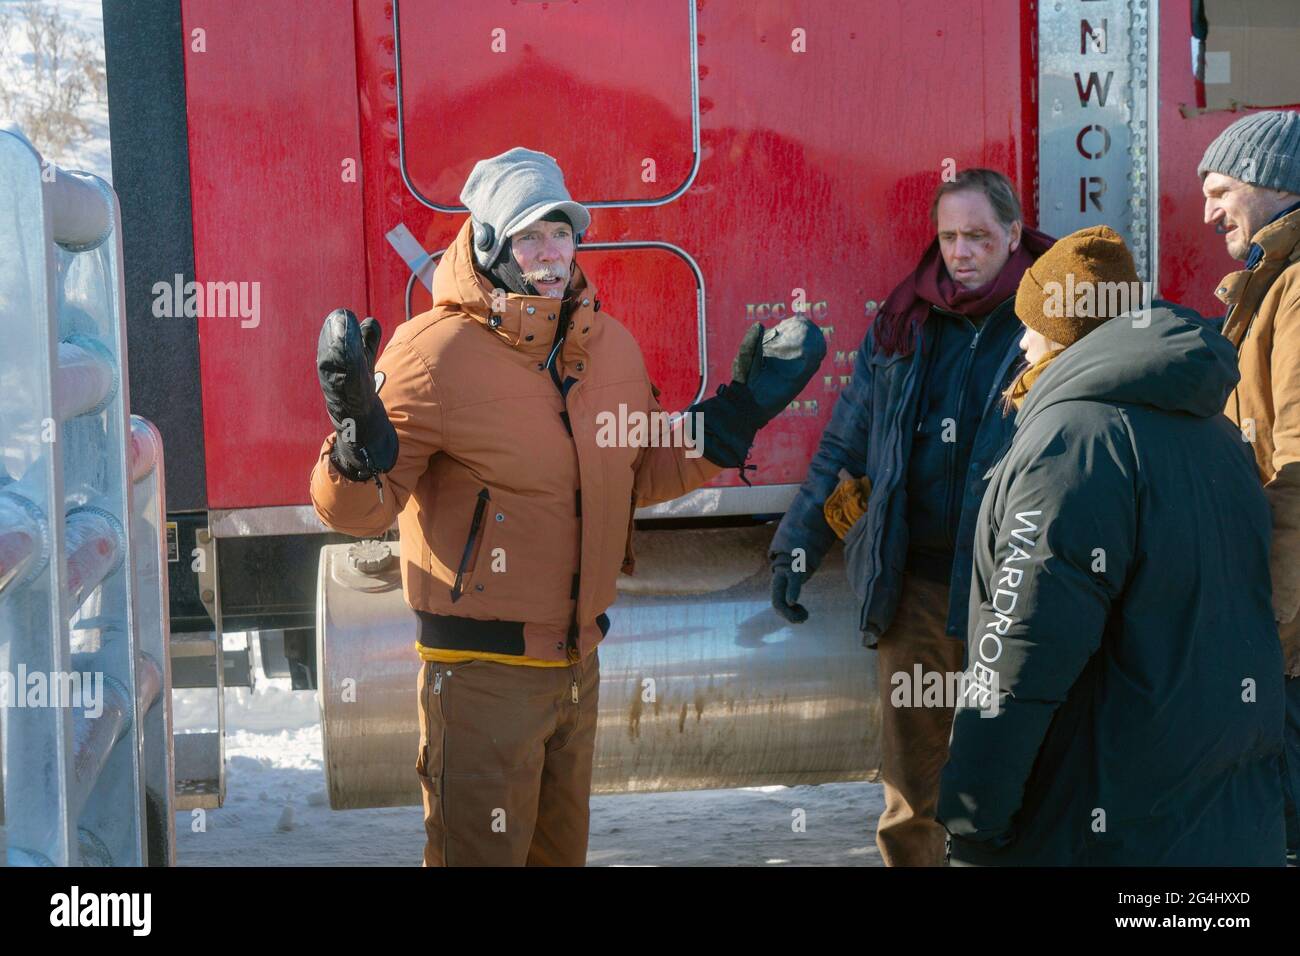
1264, 325
504, 516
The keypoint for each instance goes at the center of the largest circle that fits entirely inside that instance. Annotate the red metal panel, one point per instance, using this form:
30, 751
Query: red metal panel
1192, 255
816, 174
272, 113
523, 71
817, 167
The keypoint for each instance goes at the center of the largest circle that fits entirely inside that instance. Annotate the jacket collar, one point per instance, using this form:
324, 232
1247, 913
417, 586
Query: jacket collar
524, 322
1280, 240
1280, 236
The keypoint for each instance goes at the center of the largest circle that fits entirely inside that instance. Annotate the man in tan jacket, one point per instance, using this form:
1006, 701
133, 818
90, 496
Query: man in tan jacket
484, 430
1251, 182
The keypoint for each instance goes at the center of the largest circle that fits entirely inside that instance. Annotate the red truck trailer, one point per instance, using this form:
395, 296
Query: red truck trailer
741, 160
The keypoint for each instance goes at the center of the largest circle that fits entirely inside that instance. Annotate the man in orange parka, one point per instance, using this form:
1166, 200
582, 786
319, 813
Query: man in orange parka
484, 430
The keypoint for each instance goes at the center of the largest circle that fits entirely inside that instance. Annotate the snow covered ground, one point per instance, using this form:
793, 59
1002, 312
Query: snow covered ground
277, 812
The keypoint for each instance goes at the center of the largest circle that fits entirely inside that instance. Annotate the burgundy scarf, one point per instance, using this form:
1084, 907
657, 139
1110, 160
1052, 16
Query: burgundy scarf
906, 309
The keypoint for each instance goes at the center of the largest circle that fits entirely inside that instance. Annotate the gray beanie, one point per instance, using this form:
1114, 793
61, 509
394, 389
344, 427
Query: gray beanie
1262, 149
508, 192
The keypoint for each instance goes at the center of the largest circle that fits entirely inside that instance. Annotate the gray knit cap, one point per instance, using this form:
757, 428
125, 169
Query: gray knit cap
508, 192
1262, 149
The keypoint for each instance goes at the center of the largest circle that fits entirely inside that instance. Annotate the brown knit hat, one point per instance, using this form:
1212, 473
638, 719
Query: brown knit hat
1075, 286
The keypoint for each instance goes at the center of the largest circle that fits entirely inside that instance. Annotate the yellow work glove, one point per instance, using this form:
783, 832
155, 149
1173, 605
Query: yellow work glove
847, 503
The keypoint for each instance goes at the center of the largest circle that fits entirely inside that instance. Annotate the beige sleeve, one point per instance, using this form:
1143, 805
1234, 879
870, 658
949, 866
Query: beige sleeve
1284, 490
664, 473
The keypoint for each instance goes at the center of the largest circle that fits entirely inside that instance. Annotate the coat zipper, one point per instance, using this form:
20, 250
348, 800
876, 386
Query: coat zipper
479, 508
552, 367
566, 399
895, 442
629, 556
961, 407
442, 763
1000, 385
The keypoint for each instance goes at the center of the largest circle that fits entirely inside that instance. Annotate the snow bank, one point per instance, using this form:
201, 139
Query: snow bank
90, 153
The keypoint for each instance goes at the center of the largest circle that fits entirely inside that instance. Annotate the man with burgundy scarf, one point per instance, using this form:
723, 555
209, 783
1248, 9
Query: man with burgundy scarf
899, 475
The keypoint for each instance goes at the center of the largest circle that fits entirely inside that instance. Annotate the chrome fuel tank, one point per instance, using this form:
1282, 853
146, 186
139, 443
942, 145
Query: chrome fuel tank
702, 684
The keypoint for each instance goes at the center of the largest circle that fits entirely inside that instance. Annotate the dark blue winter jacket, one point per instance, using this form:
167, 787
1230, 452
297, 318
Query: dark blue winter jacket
870, 433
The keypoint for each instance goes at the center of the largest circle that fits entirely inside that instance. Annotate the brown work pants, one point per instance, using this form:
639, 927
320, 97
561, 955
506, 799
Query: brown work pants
505, 762
914, 740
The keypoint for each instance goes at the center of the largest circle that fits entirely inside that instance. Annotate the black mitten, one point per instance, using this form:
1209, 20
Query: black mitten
769, 372
345, 363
